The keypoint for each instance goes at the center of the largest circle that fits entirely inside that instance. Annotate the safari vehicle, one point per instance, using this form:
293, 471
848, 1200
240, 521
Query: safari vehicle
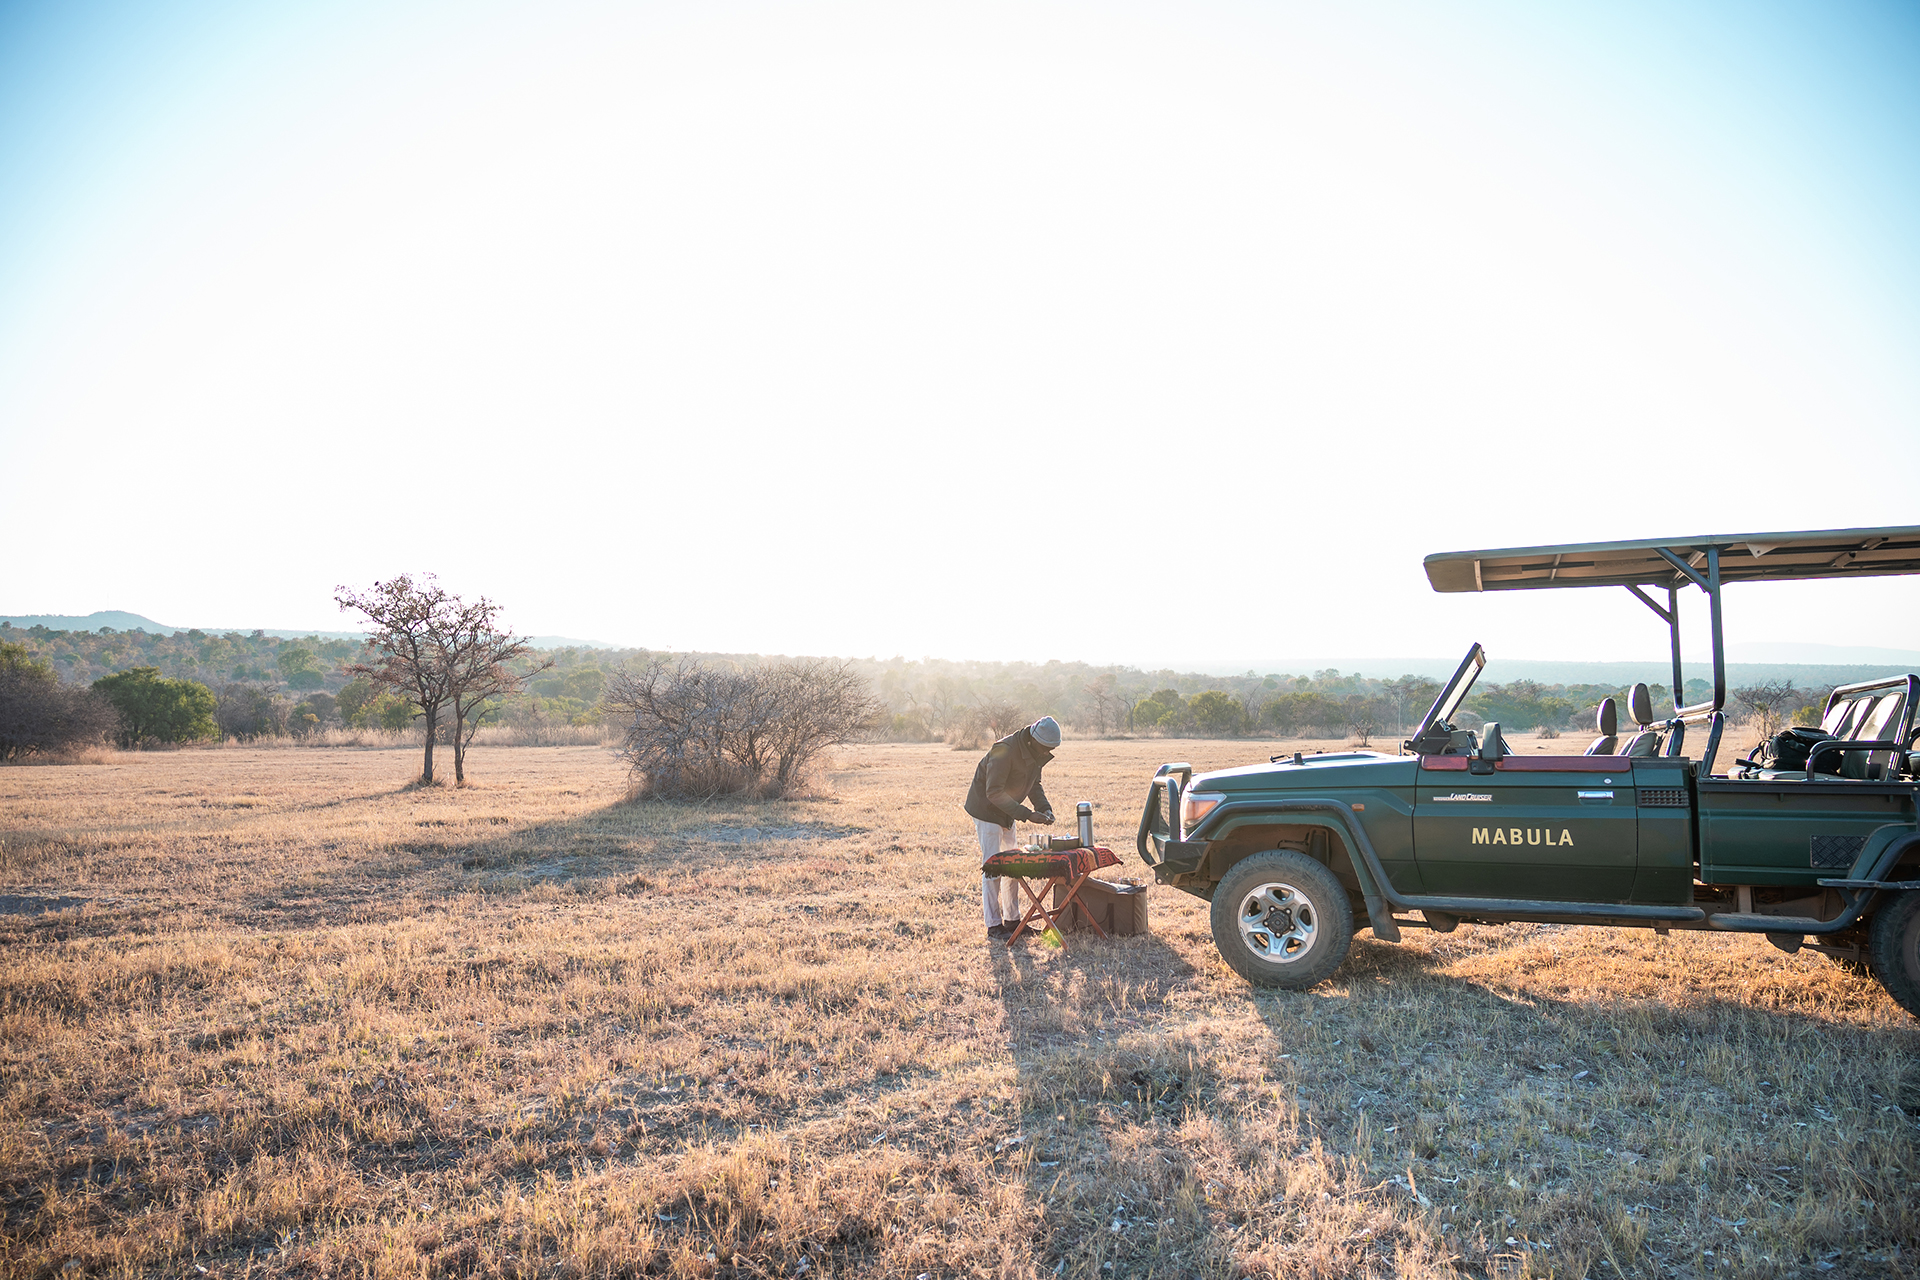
1650, 829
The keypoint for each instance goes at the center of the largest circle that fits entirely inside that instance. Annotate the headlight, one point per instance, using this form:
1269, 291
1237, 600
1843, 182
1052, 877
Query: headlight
1195, 806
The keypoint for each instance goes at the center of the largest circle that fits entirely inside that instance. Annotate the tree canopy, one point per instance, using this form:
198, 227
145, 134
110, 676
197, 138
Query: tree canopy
154, 708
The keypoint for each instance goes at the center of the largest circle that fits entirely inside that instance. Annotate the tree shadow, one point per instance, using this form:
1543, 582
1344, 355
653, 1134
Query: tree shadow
618, 848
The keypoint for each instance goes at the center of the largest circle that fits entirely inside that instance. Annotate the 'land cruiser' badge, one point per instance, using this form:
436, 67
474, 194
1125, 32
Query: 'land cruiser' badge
1464, 795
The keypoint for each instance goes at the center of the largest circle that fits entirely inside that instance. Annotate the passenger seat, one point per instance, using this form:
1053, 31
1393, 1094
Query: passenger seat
1640, 707
1606, 718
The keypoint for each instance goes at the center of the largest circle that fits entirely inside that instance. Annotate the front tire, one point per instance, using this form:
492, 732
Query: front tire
1893, 949
1280, 919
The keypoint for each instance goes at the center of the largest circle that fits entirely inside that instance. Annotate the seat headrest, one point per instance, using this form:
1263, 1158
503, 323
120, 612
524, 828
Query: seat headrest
1640, 705
1606, 718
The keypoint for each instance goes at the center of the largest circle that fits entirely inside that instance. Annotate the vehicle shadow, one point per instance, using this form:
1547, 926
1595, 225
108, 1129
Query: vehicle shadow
1198, 1136
1500, 1073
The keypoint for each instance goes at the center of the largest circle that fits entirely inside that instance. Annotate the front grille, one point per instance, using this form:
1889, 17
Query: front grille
1830, 853
1663, 797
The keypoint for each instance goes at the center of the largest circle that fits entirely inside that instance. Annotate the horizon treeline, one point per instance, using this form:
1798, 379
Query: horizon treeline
271, 685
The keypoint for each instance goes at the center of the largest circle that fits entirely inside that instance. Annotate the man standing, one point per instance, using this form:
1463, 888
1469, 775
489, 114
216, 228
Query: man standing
1007, 778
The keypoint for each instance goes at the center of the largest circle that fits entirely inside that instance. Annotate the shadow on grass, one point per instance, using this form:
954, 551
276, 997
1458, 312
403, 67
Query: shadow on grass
619, 848
1398, 1078
1100, 1084
1529, 1093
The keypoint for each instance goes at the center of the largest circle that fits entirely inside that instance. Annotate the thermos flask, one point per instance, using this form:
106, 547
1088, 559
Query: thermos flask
1085, 812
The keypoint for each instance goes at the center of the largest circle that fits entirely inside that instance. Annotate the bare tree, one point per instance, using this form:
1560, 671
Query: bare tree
407, 650
1362, 714
945, 704
475, 653
1106, 706
1763, 701
1249, 699
1410, 695
1113, 704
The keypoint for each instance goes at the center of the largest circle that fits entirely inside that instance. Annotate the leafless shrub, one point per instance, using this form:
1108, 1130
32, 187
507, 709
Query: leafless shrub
985, 722
1761, 702
41, 716
696, 731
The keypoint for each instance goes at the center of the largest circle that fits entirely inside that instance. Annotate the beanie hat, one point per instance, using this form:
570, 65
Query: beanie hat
1046, 731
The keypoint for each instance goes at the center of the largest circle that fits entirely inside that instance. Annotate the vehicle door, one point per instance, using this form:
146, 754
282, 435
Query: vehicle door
1557, 829
1793, 832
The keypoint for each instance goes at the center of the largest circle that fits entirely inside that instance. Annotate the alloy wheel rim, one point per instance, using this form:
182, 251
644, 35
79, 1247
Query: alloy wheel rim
1278, 922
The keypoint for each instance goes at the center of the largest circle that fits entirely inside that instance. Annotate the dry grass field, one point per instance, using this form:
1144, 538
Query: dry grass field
274, 1012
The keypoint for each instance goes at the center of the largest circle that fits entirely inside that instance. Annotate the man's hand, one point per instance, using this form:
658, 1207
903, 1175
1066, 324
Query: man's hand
1024, 814
1044, 817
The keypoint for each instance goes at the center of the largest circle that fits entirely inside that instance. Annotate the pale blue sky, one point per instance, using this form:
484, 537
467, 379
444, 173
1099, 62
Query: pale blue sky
875, 328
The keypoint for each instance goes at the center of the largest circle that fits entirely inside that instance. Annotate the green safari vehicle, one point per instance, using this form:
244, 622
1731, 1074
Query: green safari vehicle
1638, 831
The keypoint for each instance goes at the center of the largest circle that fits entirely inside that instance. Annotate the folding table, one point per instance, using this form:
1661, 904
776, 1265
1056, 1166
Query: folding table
1062, 868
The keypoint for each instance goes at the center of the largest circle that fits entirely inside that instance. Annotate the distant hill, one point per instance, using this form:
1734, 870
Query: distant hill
120, 620
1807, 665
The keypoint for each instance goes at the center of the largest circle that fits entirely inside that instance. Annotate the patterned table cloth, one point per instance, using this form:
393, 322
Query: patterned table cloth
1068, 864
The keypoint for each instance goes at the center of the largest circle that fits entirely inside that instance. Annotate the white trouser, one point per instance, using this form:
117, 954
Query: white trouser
999, 896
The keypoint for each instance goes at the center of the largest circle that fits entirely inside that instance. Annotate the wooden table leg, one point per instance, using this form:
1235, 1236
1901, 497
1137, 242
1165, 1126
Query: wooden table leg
1073, 896
1039, 905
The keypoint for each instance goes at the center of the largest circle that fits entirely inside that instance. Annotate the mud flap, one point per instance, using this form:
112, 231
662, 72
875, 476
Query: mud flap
1381, 919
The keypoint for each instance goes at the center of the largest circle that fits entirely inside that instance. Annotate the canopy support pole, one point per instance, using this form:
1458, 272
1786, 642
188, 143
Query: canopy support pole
1719, 645
1710, 584
1673, 634
1671, 616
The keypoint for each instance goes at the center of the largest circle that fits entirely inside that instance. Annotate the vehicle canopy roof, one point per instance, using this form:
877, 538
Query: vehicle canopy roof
1671, 564
1658, 562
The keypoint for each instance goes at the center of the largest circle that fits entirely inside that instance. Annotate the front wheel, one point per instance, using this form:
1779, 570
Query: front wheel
1893, 949
1280, 919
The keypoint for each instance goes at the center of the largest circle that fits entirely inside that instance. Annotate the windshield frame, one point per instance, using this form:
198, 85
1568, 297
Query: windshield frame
1448, 703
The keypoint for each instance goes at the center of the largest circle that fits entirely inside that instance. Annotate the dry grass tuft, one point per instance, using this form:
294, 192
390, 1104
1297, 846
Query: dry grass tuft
278, 1012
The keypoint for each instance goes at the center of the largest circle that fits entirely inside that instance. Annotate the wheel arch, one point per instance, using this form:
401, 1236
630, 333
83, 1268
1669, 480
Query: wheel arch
1320, 839
1318, 828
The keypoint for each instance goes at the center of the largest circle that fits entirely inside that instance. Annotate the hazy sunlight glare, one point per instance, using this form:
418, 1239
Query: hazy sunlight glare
843, 328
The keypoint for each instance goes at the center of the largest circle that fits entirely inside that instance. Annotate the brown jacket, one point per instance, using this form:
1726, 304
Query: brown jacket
1007, 777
